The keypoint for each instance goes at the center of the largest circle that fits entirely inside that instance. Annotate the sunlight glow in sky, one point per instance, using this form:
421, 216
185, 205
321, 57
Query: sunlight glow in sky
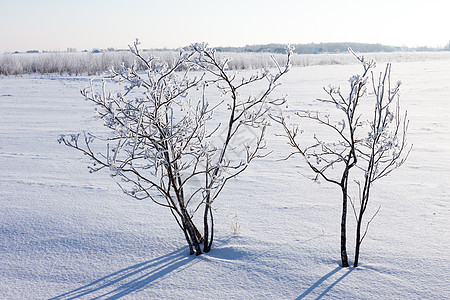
88, 24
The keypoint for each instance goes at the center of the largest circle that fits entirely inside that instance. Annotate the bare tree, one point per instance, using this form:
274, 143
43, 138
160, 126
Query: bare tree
385, 147
333, 161
165, 145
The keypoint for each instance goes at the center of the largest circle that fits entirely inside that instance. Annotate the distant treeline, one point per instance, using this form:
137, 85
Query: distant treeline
329, 48
90, 63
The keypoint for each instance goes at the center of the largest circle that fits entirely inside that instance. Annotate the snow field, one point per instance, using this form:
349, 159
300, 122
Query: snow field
67, 233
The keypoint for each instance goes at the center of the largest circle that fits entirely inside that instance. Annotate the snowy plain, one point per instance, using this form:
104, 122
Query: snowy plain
69, 234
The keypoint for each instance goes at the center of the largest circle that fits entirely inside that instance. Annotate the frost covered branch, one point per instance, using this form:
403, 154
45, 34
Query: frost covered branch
384, 148
165, 144
376, 146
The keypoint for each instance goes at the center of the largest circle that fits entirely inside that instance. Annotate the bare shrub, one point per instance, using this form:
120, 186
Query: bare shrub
165, 144
361, 150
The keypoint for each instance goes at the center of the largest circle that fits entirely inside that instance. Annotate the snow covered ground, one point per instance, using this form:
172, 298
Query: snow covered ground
66, 233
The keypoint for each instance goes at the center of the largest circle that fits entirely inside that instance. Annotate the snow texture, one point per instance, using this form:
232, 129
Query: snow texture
67, 233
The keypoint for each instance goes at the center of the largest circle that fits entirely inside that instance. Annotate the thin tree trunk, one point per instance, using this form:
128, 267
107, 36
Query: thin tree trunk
208, 234
186, 235
362, 210
184, 227
344, 256
365, 200
358, 241
192, 232
206, 242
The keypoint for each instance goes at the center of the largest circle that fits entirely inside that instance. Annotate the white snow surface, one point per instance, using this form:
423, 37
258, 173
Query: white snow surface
69, 234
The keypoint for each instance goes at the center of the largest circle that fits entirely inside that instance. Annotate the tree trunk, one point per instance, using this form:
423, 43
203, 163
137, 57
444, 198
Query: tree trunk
344, 256
208, 235
206, 229
192, 233
358, 241
186, 235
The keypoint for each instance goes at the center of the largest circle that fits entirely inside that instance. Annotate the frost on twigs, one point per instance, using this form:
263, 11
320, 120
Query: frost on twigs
166, 144
368, 140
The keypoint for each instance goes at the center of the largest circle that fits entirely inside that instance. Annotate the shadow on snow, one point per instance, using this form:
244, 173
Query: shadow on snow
320, 282
130, 279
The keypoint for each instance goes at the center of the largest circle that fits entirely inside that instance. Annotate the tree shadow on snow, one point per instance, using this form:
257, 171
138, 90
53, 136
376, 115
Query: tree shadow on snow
321, 282
130, 279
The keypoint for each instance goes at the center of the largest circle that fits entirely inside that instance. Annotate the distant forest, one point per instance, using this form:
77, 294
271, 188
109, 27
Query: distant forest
327, 48
312, 48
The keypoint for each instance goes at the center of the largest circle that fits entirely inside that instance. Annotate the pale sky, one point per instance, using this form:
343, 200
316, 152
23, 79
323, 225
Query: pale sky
88, 24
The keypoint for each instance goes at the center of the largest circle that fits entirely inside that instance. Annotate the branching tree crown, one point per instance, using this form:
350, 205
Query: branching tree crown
363, 147
165, 145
